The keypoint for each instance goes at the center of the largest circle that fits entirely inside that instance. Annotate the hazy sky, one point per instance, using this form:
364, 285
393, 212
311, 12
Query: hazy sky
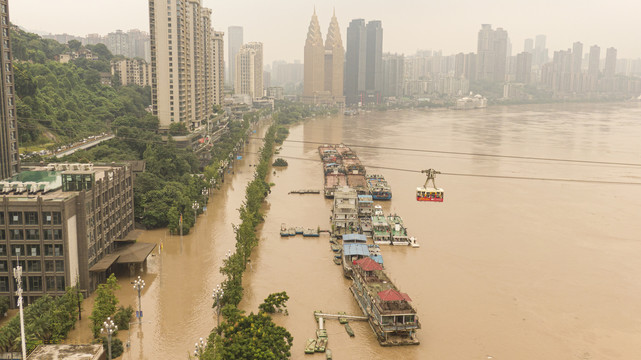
408, 25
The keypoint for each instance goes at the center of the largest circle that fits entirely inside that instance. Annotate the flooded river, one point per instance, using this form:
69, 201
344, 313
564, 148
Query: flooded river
507, 269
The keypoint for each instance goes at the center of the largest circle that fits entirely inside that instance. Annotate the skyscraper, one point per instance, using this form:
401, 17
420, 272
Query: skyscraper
393, 74
235, 39
577, 57
249, 70
314, 62
540, 51
593, 60
334, 62
610, 62
374, 61
180, 37
491, 53
355, 62
9, 160
218, 66
523, 67
528, 46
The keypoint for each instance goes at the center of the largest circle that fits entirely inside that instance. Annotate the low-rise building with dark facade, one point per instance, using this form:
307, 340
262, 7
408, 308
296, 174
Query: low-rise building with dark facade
63, 223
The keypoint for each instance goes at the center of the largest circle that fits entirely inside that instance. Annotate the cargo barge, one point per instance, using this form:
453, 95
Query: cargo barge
341, 167
378, 187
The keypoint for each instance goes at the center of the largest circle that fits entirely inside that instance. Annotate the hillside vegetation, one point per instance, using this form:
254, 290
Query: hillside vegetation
59, 103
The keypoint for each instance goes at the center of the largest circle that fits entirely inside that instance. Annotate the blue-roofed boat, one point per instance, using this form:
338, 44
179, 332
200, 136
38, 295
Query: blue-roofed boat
378, 187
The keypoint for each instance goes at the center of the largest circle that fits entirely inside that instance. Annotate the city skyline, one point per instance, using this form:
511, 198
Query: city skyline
604, 26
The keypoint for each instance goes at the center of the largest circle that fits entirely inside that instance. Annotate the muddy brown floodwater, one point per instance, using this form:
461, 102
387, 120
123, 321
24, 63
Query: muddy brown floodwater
507, 269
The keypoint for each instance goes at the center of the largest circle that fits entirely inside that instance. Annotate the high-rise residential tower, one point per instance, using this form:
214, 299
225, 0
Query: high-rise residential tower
180, 47
9, 160
610, 62
249, 70
355, 62
577, 57
491, 53
593, 60
235, 39
218, 66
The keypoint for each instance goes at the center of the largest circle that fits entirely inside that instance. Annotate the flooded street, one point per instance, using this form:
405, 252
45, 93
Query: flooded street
507, 269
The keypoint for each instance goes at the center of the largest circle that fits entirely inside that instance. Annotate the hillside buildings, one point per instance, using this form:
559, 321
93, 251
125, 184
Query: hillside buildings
9, 160
132, 71
249, 70
182, 63
323, 64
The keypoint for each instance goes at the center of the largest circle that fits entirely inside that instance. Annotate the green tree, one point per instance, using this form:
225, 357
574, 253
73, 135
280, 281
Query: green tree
104, 305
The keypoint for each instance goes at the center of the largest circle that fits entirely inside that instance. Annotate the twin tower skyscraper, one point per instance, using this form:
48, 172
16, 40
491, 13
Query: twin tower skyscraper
324, 64
336, 76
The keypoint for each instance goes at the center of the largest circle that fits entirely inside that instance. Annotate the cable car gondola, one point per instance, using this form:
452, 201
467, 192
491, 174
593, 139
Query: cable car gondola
426, 193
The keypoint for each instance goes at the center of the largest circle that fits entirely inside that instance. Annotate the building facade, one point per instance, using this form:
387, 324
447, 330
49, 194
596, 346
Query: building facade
181, 43
61, 223
218, 46
235, 39
131, 71
393, 75
492, 46
9, 159
355, 62
374, 62
610, 62
249, 70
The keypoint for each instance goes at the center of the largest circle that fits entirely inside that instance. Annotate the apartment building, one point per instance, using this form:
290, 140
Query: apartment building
132, 71
9, 160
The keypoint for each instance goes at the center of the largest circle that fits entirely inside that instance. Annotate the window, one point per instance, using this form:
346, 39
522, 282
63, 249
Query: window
33, 234
57, 218
3, 266
49, 266
60, 283
34, 266
17, 250
16, 234
3, 235
48, 250
60, 266
47, 234
33, 250
1, 218
3, 250
51, 283
31, 218
15, 218
4, 283
57, 250
57, 234
35, 283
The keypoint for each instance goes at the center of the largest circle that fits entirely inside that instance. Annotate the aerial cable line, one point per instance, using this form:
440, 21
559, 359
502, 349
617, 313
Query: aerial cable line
490, 176
472, 154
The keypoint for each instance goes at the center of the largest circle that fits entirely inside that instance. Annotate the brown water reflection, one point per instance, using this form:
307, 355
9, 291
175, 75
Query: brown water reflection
508, 269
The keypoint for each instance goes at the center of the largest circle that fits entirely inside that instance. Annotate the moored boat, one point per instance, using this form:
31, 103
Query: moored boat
321, 344
310, 346
328, 354
378, 187
291, 231
283, 230
337, 261
299, 230
349, 330
342, 320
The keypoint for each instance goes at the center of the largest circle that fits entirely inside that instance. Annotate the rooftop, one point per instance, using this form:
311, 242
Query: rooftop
67, 352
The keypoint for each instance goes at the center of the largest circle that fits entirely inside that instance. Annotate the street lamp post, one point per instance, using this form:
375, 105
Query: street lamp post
109, 327
218, 297
17, 274
199, 348
195, 206
139, 284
